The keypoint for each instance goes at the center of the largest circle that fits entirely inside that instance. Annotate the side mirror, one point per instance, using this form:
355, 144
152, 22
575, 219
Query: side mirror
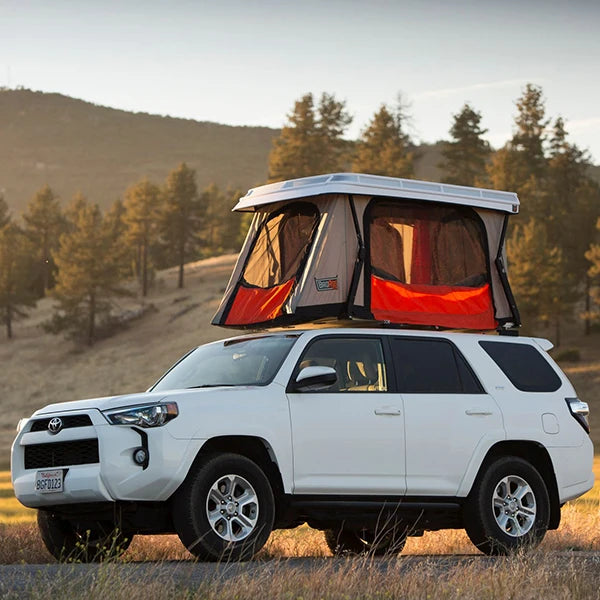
314, 379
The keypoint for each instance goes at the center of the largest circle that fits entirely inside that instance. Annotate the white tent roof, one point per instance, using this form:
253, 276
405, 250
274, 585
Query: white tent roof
377, 185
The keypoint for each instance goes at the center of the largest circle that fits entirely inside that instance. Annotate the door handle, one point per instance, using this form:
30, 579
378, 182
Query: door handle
480, 412
388, 410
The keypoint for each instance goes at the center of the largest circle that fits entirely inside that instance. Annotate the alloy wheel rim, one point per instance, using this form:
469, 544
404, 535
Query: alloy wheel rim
514, 506
232, 507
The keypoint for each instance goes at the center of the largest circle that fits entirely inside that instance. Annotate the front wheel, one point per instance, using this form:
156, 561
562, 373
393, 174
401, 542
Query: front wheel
508, 508
68, 543
225, 509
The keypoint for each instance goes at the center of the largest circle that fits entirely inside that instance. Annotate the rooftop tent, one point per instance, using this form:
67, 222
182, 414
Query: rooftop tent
354, 246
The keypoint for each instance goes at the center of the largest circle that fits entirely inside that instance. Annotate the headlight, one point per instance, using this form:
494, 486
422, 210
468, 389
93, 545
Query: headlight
153, 415
21, 424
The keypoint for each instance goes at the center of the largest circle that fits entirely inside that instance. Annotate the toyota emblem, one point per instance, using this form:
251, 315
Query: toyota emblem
55, 425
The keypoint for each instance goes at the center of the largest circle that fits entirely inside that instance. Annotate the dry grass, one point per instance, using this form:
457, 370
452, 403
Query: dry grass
526, 577
579, 530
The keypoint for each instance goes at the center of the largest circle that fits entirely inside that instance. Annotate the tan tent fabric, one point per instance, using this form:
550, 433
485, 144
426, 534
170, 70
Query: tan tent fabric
463, 252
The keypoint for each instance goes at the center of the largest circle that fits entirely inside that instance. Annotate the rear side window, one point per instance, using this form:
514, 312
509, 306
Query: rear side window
432, 367
524, 366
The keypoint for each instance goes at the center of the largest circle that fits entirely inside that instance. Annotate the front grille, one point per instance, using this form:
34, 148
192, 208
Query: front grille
68, 421
61, 454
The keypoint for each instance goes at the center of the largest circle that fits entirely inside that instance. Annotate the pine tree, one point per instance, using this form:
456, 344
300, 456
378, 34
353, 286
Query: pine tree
467, 154
332, 123
181, 217
141, 218
213, 201
114, 218
295, 152
4, 212
312, 141
593, 257
15, 268
573, 205
43, 225
72, 210
537, 275
521, 166
90, 266
530, 137
221, 225
384, 146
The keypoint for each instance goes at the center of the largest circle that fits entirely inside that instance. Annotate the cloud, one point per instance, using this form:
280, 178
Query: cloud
473, 87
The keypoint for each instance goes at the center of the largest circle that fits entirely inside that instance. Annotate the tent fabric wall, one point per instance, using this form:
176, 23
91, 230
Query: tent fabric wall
257, 221
328, 272
494, 225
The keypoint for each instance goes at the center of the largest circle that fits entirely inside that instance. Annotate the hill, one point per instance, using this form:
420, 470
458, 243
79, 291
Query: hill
39, 368
77, 146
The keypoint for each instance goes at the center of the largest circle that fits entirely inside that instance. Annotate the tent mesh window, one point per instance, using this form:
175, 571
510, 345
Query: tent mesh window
427, 245
281, 245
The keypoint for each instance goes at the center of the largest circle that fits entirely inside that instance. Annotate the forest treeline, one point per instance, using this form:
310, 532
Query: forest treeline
553, 245
82, 257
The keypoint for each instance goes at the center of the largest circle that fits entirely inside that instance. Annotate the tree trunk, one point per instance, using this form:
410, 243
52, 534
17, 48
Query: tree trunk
588, 306
9, 332
45, 264
92, 320
181, 263
145, 270
557, 331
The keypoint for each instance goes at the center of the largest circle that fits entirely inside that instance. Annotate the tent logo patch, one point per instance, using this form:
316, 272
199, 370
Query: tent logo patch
326, 284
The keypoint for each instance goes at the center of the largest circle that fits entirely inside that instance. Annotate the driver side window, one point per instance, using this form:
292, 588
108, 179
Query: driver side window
358, 362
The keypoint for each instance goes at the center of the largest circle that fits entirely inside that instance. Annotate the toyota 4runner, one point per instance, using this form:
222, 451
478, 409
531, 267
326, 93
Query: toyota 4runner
370, 435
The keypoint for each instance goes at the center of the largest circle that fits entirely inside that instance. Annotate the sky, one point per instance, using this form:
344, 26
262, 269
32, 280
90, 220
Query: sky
245, 62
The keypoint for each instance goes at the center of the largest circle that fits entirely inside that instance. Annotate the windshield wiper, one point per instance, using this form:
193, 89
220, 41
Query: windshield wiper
210, 385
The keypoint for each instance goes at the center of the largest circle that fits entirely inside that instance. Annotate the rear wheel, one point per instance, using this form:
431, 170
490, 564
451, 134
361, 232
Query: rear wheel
347, 541
508, 508
66, 542
225, 509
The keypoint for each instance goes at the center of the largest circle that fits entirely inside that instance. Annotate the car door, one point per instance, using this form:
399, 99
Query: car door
348, 438
448, 414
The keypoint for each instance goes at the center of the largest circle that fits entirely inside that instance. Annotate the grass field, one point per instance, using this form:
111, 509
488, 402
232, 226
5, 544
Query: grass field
579, 530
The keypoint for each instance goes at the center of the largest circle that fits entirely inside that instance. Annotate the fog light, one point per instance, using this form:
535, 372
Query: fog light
140, 456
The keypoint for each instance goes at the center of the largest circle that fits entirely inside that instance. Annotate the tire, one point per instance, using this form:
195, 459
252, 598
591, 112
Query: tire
508, 508
347, 541
211, 519
68, 544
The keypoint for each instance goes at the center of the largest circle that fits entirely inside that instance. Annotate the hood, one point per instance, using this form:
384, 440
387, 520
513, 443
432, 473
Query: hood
102, 403
125, 400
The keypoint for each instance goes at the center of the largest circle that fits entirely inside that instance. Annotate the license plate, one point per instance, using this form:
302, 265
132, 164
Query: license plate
49, 482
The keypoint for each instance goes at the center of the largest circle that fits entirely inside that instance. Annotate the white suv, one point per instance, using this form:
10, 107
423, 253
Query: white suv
368, 434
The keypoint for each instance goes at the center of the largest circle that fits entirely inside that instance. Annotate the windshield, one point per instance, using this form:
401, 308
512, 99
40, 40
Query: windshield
243, 361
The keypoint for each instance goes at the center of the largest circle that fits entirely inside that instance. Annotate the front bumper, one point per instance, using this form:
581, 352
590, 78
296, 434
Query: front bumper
115, 475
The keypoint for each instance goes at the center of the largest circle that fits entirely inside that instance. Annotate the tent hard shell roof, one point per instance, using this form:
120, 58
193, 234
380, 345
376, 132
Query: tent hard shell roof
376, 185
